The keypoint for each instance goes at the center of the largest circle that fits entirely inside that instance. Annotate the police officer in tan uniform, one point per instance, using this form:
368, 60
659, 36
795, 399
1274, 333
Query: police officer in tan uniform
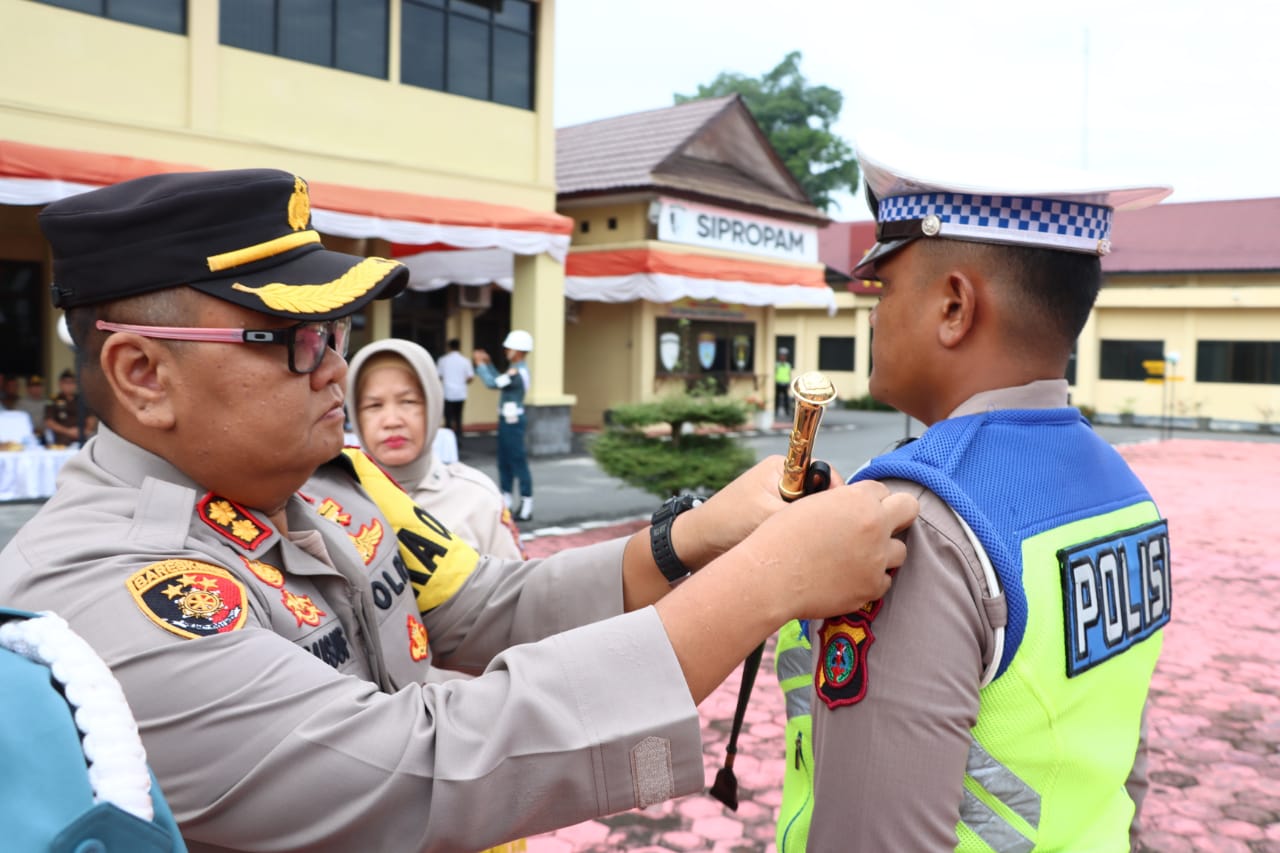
982, 704
270, 605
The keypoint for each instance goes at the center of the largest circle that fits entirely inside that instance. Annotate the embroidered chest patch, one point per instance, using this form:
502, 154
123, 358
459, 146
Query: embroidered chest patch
190, 598
417, 638
302, 607
232, 521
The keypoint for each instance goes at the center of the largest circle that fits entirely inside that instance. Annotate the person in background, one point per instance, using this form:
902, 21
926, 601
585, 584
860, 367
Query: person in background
455, 374
65, 418
272, 604
394, 392
33, 402
513, 458
782, 384
12, 392
994, 699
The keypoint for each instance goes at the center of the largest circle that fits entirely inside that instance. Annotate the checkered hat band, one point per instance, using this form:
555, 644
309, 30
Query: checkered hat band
1006, 219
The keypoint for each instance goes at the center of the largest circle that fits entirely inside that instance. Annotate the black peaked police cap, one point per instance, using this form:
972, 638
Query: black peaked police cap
242, 235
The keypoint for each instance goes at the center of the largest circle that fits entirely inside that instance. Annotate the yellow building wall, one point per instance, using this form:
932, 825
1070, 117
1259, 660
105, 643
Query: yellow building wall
631, 223
602, 360
808, 325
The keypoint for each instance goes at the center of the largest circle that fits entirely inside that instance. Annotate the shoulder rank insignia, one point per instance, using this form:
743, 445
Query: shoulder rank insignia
332, 510
232, 521
841, 676
417, 638
189, 598
302, 608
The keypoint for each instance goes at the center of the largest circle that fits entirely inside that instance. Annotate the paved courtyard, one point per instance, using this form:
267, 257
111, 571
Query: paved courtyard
1215, 715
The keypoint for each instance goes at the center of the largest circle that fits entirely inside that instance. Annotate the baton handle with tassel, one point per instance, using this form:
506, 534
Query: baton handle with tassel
800, 476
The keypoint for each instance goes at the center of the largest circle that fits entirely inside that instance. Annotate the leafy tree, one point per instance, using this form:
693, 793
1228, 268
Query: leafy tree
797, 119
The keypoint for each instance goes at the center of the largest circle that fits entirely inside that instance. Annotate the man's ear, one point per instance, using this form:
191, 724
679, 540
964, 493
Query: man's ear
138, 370
959, 307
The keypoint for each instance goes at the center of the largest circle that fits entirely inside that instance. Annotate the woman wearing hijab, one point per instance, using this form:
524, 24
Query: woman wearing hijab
397, 405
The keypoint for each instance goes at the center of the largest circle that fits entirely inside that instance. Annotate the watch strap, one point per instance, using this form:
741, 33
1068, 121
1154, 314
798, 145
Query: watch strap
664, 553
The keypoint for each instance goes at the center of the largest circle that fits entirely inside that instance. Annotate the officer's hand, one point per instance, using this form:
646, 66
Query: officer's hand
738, 509
479, 356
827, 554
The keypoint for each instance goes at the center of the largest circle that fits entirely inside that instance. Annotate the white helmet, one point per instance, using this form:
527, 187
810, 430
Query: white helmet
519, 339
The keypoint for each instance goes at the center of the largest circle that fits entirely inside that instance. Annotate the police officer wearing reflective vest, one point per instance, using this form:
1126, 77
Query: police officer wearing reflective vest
994, 699
271, 606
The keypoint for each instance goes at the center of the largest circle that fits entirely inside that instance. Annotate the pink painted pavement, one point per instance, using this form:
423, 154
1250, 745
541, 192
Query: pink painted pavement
1215, 700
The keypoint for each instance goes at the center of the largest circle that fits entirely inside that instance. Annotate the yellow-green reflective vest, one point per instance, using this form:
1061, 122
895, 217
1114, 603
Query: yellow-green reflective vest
782, 373
793, 662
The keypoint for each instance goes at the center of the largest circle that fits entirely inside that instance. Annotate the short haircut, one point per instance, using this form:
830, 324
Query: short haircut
170, 307
1048, 291
454, 343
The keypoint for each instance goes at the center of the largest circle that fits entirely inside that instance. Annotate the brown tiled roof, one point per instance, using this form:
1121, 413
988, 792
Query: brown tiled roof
1204, 236
696, 149
620, 152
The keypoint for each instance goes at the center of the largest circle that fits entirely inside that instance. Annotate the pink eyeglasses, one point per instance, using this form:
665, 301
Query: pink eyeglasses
306, 341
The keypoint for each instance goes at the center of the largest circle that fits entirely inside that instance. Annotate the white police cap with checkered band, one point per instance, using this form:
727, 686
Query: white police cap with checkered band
1009, 208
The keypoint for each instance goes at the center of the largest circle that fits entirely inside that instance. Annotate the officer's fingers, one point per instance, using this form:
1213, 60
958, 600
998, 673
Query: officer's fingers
869, 490
895, 553
901, 510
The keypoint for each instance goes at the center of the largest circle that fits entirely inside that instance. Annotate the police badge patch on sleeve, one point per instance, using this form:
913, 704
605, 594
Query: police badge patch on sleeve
1115, 593
190, 598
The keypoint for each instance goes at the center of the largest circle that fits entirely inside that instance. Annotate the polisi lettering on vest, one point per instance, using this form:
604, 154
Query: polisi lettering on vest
1116, 593
751, 233
386, 588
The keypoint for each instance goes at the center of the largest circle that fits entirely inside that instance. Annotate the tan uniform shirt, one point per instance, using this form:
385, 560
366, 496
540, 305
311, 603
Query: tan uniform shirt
293, 718
889, 770
470, 505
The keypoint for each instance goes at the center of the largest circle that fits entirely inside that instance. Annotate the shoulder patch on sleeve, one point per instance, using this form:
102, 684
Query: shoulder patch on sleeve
190, 598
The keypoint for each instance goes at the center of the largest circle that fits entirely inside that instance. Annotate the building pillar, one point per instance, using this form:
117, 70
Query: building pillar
537, 306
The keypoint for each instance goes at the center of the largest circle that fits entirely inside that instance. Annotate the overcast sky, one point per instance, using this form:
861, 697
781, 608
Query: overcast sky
1178, 92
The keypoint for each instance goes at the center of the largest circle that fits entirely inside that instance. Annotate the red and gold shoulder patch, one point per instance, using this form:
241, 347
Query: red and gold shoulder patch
264, 572
232, 521
841, 675
302, 608
190, 598
417, 638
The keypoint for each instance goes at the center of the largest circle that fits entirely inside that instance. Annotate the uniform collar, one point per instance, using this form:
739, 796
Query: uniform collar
1040, 394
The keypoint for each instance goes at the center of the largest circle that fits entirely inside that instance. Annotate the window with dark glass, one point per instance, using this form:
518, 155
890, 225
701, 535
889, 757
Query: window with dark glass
1123, 359
350, 35
1246, 362
167, 15
480, 49
835, 353
1071, 365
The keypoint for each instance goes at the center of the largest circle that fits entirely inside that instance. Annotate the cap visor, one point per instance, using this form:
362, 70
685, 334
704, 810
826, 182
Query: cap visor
865, 269
315, 285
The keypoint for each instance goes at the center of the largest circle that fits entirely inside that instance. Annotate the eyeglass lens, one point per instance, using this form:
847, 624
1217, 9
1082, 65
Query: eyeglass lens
311, 339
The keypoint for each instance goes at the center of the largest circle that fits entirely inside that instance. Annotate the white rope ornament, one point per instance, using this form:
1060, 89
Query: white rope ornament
117, 762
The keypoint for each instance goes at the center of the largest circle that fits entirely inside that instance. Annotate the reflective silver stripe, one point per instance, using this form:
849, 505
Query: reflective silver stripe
995, 832
1003, 784
798, 701
794, 661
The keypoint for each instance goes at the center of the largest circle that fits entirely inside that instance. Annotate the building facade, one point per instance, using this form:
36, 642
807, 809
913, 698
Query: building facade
423, 126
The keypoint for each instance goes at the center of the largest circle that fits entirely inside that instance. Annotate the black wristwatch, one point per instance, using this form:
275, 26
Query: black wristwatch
660, 536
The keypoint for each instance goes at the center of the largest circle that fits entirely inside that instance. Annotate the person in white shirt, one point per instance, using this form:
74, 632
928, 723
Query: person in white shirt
455, 374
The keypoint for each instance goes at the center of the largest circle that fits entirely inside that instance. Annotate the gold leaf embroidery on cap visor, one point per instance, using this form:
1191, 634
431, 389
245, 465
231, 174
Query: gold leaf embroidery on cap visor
299, 205
318, 298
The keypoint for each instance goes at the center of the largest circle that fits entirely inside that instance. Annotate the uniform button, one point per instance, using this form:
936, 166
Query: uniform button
91, 845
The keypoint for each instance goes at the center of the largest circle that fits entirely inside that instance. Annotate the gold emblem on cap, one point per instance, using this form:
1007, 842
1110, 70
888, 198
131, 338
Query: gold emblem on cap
299, 205
318, 298
1104, 246
931, 225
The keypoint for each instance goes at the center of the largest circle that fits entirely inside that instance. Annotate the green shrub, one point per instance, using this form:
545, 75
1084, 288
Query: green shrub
668, 465
866, 403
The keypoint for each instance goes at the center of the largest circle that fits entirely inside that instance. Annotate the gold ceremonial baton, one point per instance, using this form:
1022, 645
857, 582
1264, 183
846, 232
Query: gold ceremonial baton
813, 392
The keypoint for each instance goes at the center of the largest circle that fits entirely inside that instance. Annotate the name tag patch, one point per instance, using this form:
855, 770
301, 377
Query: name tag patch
1115, 593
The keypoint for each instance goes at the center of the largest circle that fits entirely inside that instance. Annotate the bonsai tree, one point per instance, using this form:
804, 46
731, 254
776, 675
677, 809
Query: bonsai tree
684, 461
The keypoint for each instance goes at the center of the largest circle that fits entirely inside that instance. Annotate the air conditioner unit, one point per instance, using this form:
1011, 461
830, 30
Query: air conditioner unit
474, 297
